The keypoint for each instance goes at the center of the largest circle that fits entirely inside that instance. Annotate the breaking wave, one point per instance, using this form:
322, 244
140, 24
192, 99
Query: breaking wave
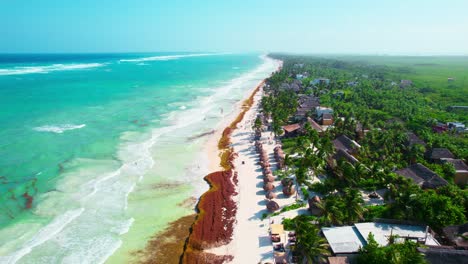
170, 57
58, 129
50, 68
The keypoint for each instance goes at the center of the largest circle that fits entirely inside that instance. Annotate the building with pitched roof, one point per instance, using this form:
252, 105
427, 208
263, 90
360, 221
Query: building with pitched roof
422, 176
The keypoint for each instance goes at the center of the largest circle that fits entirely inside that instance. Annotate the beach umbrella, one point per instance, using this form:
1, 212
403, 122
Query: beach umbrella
266, 164
313, 206
272, 206
268, 178
270, 195
266, 171
289, 190
287, 182
268, 186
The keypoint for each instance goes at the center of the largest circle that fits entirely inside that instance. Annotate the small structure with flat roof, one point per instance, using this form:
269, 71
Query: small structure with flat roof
343, 239
349, 239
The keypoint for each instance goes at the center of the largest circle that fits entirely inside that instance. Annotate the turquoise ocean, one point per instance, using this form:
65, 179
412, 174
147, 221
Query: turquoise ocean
98, 150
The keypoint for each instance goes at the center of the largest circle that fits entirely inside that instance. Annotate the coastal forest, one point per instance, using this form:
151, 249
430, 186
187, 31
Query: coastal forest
392, 113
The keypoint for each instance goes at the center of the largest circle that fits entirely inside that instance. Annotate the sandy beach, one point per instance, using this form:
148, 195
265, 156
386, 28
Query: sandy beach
251, 241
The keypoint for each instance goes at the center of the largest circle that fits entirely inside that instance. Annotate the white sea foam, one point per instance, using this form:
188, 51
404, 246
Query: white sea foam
59, 129
43, 235
48, 68
170, 57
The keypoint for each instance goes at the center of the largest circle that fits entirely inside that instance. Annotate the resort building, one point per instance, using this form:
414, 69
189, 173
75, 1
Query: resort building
291, 130
326, 119
422, 176
320, 110
345, 143
461, 171
413, 140
456, 126
405, 83
315, 126
349, 239
455, 235
320, 81
439, 154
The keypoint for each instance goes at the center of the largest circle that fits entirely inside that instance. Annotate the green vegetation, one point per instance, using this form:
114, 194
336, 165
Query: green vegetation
372, 107
310, 245
395, 253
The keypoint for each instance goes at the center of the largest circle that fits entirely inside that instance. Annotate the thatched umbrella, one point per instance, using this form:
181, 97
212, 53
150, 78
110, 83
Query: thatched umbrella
268, 178
268, 186
272, 206
266, 171
289, 190
313, 206
270, 195
287, 182
266, 164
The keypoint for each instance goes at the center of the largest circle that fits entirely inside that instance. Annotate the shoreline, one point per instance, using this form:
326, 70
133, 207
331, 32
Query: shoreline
180, 228
214, 224
199, 247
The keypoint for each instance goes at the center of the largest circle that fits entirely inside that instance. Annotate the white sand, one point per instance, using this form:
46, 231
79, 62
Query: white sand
251, 242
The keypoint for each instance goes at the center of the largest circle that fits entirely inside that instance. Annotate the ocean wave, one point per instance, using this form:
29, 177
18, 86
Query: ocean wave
49, 68
170, 57
43, 235
58, 129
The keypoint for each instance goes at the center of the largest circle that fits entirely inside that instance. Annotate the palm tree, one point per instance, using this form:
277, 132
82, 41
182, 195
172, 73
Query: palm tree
353, 202
331, 207
311, 246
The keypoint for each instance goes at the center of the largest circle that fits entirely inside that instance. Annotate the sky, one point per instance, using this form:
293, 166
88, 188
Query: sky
299, 26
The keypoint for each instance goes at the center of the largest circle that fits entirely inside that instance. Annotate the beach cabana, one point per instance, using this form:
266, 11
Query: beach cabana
289, 190
272, 206
268, 178
314, 207
287, 182
266, 171
268, 186
270, 195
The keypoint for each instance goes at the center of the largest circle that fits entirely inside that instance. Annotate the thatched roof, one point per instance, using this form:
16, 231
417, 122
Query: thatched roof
345, 143
266, 171
444, 256
422, 176
268, 178
265, 164
287, 182
343, 154
268, 186
458, 164
289, 190
413, 139
314, 125
291, 128
453, 233
440, 153
272, 206
270, 195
